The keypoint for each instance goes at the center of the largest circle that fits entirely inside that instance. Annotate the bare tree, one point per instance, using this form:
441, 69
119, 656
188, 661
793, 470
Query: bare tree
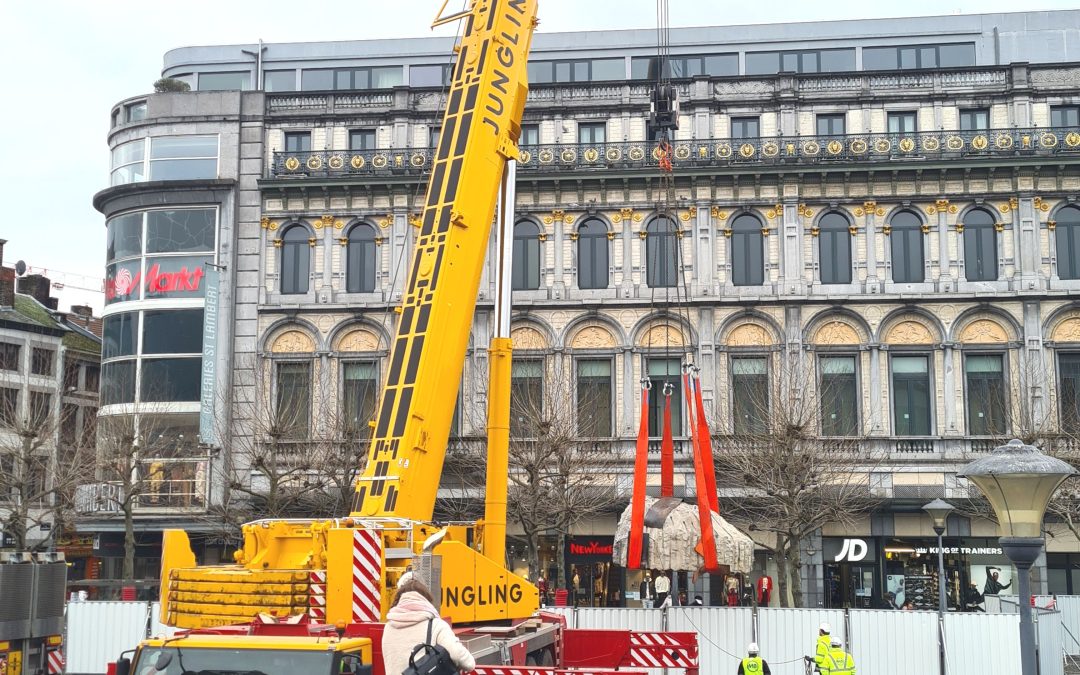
40, 466
778, 474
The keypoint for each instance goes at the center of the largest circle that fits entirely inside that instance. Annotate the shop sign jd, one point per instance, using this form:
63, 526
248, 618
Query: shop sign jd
957, 550
848, 550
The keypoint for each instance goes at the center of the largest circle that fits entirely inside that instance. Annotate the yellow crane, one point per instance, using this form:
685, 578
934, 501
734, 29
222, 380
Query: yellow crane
345, 570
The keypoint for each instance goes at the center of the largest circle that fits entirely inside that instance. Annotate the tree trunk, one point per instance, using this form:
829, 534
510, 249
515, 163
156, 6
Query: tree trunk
534, 556
782, 571
795, 567
129, 540
560, 562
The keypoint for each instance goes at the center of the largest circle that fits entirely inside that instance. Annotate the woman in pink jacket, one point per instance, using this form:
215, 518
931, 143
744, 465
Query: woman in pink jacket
407, 626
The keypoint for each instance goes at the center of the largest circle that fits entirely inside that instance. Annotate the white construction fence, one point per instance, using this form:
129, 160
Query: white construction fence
883, 642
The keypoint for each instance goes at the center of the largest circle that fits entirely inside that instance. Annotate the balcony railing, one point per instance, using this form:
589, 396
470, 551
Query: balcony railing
707, 153
172, 485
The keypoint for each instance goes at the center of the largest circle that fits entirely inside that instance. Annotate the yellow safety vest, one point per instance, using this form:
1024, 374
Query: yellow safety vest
838, 662
752, 664
821, 655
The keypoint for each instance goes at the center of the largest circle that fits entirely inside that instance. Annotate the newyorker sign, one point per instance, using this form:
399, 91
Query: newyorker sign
589, 549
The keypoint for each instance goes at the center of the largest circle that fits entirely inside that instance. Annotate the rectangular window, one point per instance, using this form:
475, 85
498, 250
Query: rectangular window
592, 133
134, 112
836, 60
317, 80
224, 81
297, 141
91, 378
128, 165
762, 63
839, 396
830, 125
1065, 116
429, 76
183, 157
526, 397
171, 379
279, 80
608, 69
879, 58
956, 56
172, 331
919, 56
69, 424
530, 134
594, 398
901, 122
361, 139
181, 231
119, 382
1069, 372
977, 119
661, 372
9, 356
385, 77
721, 65
911, 395
980, 253
987, 399
41, 361
9, 406
433, 136
119, 335
40, 409
750, 394
294, 400
71, 376
359, 396
541, 72
745, 128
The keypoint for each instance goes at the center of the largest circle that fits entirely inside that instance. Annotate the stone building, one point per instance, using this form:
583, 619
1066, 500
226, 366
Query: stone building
892, 202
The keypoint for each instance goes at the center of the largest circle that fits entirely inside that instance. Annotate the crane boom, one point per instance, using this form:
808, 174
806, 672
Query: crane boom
479, 135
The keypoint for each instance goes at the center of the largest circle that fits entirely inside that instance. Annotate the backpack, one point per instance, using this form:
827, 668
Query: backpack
429, 659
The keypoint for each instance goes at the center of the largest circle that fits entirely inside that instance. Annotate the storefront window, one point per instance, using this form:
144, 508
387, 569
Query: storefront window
593, 580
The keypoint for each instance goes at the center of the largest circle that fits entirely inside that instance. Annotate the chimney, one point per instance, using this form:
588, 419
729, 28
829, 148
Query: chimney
7, 280
39, 288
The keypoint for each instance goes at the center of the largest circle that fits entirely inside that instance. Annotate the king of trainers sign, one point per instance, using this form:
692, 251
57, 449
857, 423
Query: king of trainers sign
163, 278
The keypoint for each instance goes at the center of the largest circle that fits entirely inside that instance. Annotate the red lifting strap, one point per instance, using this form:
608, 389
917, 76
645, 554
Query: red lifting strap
708, 542
705, 443
667, 451
637, 503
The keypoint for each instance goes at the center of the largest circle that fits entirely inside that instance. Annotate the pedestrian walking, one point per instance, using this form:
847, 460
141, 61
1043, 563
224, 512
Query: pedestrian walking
663, 588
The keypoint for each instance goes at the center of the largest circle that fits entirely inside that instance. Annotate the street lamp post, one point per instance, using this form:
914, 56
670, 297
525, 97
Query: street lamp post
1018, 480
939, 511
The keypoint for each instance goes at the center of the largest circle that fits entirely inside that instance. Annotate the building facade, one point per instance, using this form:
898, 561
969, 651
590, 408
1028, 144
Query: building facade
891, 203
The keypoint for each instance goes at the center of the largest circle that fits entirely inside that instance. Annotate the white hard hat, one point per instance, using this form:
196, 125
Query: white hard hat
835, 642
825, 627
753, 648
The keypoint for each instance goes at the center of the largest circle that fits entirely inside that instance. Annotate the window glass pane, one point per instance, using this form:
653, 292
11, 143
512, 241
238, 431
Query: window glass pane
808, 62
581, 71
879, 58
839, 396
119, 335
279, 80
224, 81
838, 365
317, 80
789, 62
132, 173
385, 77
176, 147
986, 394
362, 139
722, 64
750, 394
909, 364
762, 63
293, 409
530, 134
526, 396
126, 153
928, 57
830, 125
592, 255
180, 231
951, 56
643, 68
174, 277
123, 281
123, 236
298, 141
562, 71
135, 111
526, 256
361, 259
908, 57
171, 379
911, 395
427, 76
609, 69
41, 361
744, 128
1065, 116
183, 169
539, 72
1069, 372
661, 254
837, 60
118, 382
594, 397
983, 363
748, 366
360, 395
174, 331
663, 371
295, 260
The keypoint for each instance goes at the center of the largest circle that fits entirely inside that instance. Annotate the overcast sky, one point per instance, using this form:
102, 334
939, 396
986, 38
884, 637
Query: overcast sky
69, 61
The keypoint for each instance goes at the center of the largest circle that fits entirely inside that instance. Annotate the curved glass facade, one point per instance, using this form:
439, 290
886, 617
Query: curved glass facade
165, 158
152, 352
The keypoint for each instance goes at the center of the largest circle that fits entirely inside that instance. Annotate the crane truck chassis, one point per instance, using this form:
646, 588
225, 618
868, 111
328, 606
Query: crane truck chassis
309, 595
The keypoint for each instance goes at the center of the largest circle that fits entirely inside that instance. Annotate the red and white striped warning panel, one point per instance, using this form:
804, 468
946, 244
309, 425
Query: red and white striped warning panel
317, 595
366, 574
56, 662
663, 650
536, 670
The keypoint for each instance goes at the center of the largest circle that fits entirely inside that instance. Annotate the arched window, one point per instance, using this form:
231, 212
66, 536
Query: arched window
361, 259
295, 260
526, 258
1068, 242
661, 254
907, 248
592, 254
834, 246
980, 246
747, 251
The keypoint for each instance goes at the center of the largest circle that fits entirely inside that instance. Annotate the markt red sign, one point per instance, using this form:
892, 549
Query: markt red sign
178, 278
